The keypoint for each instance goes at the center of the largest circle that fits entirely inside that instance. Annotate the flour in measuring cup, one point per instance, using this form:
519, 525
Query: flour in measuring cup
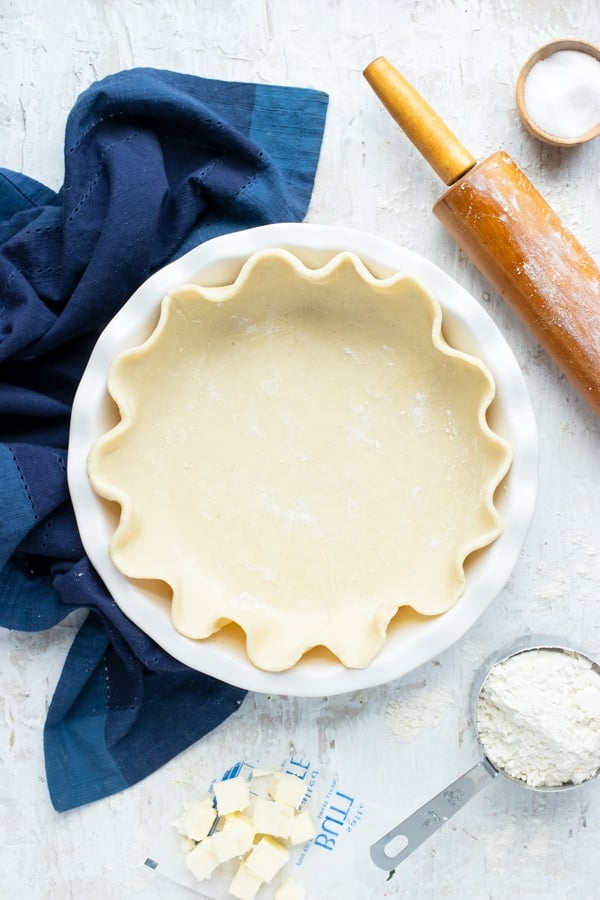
538, 717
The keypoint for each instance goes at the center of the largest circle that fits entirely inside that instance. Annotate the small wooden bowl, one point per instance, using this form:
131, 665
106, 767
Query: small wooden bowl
543, 53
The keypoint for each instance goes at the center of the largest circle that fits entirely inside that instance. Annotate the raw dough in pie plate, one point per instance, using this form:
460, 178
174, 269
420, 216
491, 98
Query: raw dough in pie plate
300, 452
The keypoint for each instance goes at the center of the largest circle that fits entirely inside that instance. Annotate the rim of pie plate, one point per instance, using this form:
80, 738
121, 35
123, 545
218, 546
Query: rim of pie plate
411, 639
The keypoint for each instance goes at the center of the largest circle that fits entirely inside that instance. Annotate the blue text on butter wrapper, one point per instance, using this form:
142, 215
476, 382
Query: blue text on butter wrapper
334, 820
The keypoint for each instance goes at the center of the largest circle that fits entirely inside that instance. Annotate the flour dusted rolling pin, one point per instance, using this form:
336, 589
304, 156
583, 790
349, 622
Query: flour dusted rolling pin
512, 235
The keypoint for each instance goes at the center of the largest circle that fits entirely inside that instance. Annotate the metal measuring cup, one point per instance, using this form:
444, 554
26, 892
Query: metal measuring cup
391, 849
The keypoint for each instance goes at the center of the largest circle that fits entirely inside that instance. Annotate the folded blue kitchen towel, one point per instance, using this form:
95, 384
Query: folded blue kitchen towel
155, 163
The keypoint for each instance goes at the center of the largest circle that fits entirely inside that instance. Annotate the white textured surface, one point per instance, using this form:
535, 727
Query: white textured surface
464, 57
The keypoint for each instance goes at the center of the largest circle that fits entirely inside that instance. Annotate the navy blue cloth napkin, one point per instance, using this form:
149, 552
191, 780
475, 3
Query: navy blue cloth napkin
155, 163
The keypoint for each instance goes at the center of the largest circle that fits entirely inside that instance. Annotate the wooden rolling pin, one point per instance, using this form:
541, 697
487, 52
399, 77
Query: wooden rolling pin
512, 235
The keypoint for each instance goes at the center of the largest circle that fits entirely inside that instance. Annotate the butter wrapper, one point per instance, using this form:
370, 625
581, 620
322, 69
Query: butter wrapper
334, 865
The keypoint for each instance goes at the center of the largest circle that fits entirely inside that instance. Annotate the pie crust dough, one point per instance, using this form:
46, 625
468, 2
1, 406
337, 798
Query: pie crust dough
300, 453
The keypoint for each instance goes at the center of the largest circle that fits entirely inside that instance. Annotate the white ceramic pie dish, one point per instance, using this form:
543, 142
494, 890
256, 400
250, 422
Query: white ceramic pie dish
412, 640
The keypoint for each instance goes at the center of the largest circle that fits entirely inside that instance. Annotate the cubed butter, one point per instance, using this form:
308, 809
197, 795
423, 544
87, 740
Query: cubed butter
271, 817
290, 890
286, 788
197, 819
202, 860
187, 844
303, 828
245, 884
267, 858
261, 773
238, 821
235, 838
232, 795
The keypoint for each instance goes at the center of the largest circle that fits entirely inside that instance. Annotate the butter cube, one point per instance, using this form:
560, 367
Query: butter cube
261, 773
244, 884
286, 788
202, 860
303, 828
197, 819
273, 818
290, 890
238, 821
187, 844
235, 838
232, 795
266, 858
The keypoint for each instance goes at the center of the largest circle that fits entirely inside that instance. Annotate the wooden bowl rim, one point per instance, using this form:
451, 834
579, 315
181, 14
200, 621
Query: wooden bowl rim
537, 56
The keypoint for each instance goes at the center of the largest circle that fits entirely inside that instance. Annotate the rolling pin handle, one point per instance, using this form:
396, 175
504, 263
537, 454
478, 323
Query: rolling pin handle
430, 135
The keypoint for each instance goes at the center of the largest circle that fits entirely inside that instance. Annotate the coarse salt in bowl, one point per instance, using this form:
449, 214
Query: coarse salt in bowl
558, 93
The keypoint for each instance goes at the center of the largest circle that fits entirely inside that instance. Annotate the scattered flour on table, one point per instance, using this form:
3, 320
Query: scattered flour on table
416, 710
538, 717
501, 843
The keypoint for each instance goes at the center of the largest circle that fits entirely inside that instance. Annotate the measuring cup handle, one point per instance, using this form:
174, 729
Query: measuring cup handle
431, 816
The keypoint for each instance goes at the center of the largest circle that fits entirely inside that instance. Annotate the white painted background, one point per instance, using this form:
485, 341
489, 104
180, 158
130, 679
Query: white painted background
464, 56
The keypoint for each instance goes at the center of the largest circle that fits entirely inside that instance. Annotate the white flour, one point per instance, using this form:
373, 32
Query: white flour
538, 717
410, 715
